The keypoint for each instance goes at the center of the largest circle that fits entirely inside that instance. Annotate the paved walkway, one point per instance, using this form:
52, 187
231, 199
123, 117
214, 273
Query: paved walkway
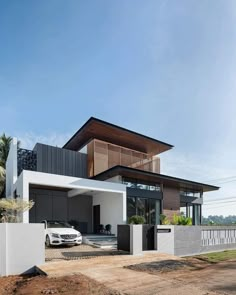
109, 271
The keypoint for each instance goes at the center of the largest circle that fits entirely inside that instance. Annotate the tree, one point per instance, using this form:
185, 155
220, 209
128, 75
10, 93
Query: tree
5, 142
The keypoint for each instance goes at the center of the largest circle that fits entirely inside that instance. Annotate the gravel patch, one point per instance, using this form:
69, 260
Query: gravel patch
162, 266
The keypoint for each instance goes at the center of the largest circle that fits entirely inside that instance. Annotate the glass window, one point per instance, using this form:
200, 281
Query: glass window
154, 211
133, 183
142, 207
131, 206
150, 209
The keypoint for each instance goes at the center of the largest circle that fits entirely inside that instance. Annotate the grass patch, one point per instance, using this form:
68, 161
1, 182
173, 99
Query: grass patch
217, 256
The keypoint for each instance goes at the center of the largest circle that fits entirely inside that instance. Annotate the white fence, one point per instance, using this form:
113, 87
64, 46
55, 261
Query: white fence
191, 240
218, 236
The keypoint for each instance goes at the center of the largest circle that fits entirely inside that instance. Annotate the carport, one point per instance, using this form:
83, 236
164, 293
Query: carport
89, 202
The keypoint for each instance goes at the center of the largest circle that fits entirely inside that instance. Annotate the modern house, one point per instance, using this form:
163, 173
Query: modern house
103, 175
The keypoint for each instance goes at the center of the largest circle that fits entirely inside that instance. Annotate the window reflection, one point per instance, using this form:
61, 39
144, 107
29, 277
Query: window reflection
148, 208
187, 193
132, 183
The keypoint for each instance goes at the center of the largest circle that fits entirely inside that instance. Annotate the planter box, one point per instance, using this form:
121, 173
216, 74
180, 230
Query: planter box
21, 248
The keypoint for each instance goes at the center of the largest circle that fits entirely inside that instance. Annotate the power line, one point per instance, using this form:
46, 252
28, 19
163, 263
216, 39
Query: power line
222, 182
217, 207
219, 179
220, 199
221, 202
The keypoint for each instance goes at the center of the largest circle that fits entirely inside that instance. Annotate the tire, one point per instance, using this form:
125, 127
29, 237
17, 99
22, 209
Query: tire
47, 242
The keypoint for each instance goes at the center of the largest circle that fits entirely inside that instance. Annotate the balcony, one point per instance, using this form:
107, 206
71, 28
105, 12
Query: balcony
103, 156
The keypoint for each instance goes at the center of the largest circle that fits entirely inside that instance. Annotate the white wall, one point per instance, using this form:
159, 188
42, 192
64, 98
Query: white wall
21, 247
112, 208
11, 168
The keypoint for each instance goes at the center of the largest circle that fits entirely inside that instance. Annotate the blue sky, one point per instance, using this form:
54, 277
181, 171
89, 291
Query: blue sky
163, 68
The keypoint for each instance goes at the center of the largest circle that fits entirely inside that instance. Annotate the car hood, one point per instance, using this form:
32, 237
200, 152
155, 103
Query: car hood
63, 231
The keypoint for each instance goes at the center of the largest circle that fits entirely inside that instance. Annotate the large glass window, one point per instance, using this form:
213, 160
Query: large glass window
154, 211
188, 193
148, 208
131, 206
193, 211
135, 183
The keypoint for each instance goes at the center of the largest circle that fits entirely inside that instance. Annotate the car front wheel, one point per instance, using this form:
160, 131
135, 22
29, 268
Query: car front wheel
47, 242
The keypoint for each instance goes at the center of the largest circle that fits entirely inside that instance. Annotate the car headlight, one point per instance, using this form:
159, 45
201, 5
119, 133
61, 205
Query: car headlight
55, 235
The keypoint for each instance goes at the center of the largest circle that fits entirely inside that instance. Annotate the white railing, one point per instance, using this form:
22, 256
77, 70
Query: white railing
218, 235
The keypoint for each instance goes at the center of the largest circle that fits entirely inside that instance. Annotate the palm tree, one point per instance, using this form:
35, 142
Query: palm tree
5, 142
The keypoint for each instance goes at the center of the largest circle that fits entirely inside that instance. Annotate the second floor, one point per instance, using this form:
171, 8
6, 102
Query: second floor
96, 147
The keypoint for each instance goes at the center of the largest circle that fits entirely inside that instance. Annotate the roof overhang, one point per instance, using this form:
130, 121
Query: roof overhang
98, 129
155, 177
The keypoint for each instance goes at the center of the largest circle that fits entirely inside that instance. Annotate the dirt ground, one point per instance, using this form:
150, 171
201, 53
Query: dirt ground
148, 274
211, 277
41, 285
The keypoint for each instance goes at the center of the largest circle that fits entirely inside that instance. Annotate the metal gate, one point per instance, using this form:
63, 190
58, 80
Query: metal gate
148, 237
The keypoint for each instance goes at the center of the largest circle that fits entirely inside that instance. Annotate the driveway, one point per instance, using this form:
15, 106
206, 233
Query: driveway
82, 251
215, 279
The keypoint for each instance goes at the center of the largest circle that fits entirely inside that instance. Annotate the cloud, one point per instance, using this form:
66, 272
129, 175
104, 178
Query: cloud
29, 139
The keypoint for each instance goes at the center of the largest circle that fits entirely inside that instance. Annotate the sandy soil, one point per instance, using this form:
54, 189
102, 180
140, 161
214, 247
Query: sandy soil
148, 274
41, 285
211, 277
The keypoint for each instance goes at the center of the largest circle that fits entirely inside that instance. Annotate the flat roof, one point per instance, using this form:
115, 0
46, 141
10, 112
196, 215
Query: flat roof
154, 177
97, 129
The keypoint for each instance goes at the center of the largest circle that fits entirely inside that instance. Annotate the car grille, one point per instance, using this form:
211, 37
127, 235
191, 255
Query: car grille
68, 237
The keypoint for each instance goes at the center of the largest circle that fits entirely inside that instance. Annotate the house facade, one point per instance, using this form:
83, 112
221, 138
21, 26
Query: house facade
103, 175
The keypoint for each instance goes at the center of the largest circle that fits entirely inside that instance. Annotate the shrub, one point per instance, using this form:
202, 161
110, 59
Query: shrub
12, 208
181, 220
135, 219
164, 220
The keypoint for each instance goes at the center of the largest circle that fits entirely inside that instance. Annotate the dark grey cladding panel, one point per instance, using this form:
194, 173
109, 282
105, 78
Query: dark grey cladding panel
135, 192
60, 161
186, 199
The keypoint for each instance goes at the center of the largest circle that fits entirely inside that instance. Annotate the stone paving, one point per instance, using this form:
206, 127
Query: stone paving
77, 252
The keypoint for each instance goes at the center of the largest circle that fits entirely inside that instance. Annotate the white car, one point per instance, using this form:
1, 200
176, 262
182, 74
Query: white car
60, 233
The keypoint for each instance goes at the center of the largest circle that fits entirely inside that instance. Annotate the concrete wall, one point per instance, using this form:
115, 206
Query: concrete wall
11, 168
193, 240
112, 208
136, 239
55, 205
60, 161
21, 248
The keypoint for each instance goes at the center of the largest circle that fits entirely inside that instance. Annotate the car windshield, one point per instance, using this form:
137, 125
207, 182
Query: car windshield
58, 224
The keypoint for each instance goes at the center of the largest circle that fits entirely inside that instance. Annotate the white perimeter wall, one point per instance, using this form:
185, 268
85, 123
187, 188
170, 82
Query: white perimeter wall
11, 168
21, 247
112, 209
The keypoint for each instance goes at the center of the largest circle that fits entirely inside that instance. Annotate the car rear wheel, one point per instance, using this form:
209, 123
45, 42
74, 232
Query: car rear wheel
47, 242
